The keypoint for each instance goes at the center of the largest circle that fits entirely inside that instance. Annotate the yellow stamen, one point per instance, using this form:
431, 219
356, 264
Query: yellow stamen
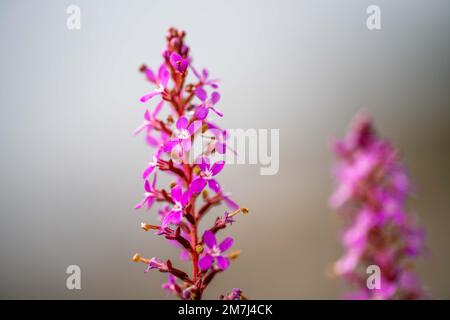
137, 258
243, 210
234, 255
146, 226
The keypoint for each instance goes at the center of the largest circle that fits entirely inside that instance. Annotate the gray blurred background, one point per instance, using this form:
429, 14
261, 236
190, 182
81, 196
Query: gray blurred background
70, 168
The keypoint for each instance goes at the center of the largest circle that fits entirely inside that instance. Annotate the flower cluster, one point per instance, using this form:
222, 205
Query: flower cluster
371, 196
186, 203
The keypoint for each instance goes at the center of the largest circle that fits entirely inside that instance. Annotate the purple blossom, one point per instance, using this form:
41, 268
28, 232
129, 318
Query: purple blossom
155, 264
171, 285
213, 252
201, 112
150, 166
179, 63
235, 294
183, 136
180, 201
203, 78
206, 176
161, 81
150, 194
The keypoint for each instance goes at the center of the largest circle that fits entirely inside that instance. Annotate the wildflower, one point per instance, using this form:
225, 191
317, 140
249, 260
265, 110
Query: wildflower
235, 294
181, 200
161, 81
207, 176
150, 194
171, 285
207, 103
183, 136
213, 253
203, 78
155, 264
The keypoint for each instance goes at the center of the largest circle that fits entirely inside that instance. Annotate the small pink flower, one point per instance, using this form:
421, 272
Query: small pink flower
201, 112
180, 201
203, 78
183, 135
213, 252
207, 176
150, 194
151, 165
161, 81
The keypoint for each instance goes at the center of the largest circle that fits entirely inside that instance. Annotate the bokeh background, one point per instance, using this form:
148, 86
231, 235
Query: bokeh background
70, 168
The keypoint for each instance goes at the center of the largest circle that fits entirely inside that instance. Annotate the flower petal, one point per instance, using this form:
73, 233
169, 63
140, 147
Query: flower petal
150, 201
204, 164
215, 97
214, 185
140, 204
151, 141
158, 108
217, 167
147, 171
147, 186
230, 203
176, 193
209, 239
150, 75
154, 181
201, 93
222, 262
140, 128
169, 145
197, 185
201, 112
175, 58
182, 123
185, 198
226, 244
173, 217
163, 75
183, 65
149, 96
205, 262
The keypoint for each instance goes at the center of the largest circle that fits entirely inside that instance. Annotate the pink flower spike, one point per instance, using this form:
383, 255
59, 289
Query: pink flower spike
182, 209
371, 195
